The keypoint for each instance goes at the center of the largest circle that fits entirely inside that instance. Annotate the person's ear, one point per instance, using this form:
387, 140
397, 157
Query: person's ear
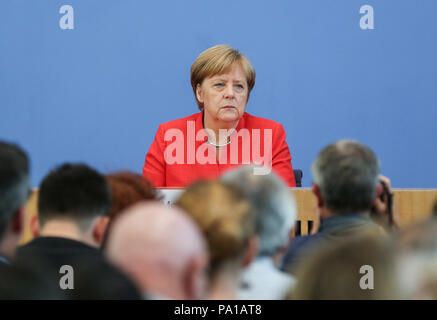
251, 251
17, 223
318, 194
100, 229
199, 93
379, 191
34, 226
195, 278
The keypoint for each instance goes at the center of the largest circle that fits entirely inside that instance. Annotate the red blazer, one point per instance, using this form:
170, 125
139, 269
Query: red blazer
185, 157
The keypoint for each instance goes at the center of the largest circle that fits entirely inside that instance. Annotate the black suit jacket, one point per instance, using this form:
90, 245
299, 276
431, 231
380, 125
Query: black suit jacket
93, 276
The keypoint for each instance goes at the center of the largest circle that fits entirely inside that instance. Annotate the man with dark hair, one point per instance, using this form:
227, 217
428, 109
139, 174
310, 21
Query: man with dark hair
74, 201
14, 192
346, 185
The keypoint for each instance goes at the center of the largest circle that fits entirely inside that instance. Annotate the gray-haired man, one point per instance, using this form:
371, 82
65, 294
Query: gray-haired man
346, 185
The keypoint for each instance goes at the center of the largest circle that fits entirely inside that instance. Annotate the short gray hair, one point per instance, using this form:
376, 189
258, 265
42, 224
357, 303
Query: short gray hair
347, 174
273, 203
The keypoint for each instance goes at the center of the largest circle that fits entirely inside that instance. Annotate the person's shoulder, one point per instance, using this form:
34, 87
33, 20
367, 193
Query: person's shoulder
303, 243
300, 247
261, 123
53, 247
180, 123
305, 240
35, 242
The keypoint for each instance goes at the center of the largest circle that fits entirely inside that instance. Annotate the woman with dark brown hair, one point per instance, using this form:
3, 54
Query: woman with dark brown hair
127, 188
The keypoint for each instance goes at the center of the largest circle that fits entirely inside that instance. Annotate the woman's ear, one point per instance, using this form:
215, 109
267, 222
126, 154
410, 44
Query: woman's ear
199, 93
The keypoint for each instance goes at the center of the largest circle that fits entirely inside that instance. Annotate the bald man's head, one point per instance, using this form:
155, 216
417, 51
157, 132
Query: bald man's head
161, 249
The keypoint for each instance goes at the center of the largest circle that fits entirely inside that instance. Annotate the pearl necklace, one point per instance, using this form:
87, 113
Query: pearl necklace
219, 145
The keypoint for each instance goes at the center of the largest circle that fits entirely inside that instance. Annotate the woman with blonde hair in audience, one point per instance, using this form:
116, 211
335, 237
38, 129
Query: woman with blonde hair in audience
228, 223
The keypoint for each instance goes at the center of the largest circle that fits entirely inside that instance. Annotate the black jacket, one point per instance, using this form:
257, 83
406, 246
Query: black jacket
93, 276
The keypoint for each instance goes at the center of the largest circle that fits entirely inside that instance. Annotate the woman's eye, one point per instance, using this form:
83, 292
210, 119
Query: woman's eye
239, 86
219, 84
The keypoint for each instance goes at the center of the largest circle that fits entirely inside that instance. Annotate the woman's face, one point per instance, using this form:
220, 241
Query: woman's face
224, 96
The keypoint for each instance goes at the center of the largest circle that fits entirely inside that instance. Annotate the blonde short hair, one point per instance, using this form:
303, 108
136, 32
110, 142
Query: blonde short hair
225, 218
218, 60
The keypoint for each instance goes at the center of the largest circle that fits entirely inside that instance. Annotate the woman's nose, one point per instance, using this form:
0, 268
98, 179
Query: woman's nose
229, 91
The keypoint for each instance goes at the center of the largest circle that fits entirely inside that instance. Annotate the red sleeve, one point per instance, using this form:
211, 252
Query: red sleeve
281, 157
154, 166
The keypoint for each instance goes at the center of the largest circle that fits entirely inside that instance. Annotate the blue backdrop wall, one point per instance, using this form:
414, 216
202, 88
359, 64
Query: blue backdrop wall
98, 92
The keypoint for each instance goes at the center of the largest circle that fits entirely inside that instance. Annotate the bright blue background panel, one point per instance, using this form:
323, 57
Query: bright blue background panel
97, 93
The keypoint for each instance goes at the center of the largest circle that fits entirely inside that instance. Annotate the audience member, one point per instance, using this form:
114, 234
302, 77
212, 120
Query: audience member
162, 250
227, 239
417, 260
346, 186
14, 192
73, 204
127, 189
275, 211
361, 267
228, 223
15, 282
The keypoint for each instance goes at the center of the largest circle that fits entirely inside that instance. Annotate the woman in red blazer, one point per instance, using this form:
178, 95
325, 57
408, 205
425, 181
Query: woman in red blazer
222, 136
